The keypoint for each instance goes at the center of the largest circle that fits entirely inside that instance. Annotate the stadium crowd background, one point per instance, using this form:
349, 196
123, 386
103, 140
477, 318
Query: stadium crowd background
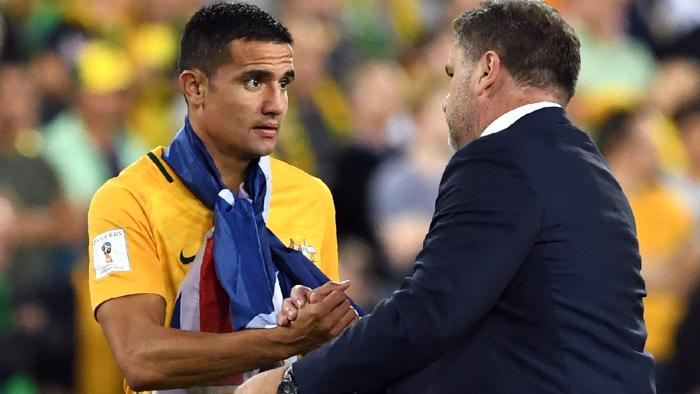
87, 86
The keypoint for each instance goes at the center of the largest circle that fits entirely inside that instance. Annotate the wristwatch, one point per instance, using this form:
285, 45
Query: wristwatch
288, 385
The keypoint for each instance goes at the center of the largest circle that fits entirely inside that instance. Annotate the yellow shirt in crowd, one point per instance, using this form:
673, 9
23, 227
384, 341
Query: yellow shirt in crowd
663, 225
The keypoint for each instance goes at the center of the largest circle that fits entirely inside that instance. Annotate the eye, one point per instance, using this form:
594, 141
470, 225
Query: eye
252, 83
285, 83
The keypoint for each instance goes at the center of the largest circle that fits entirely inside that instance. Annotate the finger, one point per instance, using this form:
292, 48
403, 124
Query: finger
333, 300
282, 320
344, 322
315, 298
321, 293
324, 290
300, 295
289, 309
330, 318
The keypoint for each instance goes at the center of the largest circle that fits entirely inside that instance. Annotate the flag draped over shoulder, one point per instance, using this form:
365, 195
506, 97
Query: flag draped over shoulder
243, 272
244, 269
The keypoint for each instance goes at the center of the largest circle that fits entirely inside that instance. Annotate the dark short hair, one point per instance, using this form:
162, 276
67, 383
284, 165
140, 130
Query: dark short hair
532, 39
614, 130
205, 40
687, 111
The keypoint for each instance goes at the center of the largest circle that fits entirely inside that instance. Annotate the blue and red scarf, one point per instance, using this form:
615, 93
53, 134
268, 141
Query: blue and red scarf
246, 268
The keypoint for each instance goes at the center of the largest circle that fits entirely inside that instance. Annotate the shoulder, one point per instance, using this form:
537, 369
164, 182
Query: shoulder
487, 175
138, 182
494, 150
286, 176
534, 142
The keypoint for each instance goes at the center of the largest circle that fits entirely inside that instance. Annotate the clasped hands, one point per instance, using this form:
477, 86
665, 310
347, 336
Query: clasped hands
319, 315
315, 317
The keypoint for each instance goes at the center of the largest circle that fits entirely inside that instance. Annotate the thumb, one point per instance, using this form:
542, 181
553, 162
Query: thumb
323, 291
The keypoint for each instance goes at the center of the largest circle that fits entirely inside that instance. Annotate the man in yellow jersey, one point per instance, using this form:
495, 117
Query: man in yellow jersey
214, 198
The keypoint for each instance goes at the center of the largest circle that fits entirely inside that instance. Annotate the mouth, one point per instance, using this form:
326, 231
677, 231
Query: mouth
268, 130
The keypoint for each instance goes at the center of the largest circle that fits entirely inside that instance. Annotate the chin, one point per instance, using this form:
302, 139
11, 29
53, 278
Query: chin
265, 150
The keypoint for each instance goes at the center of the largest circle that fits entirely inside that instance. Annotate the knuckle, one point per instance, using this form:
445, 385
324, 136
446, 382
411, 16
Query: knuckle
327, 326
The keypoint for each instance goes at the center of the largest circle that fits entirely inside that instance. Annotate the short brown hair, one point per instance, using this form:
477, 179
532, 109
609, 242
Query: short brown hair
204, 43
534, 42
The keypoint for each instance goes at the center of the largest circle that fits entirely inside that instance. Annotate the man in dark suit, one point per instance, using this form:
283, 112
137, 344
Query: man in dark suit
529, 278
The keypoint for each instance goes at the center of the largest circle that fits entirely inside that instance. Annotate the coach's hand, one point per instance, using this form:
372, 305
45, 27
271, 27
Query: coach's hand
301, 295
318, 322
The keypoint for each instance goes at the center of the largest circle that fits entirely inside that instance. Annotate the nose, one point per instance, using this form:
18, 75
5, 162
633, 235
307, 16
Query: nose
275, 101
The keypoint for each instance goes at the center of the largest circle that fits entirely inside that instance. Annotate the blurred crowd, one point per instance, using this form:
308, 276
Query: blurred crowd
88, 86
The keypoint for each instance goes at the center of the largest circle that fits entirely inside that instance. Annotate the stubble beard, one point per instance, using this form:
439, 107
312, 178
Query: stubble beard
453, 140
462, 130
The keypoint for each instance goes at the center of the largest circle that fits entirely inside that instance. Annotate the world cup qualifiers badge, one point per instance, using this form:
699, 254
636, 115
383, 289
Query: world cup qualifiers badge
107, 250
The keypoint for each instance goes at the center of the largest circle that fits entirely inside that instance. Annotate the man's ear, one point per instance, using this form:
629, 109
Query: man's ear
193, 84
490, 70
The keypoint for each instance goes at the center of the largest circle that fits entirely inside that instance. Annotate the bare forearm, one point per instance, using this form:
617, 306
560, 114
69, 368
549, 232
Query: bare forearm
155, 357
177, 359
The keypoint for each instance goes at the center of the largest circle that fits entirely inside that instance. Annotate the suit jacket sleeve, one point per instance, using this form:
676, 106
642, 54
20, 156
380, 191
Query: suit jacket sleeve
486, 220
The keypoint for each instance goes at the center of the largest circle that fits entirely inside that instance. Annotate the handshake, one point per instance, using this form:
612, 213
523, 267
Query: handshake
313, 317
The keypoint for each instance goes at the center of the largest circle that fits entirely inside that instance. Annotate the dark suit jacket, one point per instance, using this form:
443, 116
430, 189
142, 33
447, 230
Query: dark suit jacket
528, 282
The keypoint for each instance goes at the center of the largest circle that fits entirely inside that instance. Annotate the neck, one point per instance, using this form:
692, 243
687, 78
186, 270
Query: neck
231, 168
517, 96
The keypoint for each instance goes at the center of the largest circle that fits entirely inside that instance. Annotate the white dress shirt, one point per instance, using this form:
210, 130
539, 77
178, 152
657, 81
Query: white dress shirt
507, 119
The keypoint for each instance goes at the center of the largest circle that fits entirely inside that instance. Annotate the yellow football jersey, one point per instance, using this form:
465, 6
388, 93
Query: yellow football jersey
146, 227
664, 224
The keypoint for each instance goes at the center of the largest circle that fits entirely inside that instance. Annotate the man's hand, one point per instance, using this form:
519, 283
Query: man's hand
298, 297
263, 383
301, 295
318, 322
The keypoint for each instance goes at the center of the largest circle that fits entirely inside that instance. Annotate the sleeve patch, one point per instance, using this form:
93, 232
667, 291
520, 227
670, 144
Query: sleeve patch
110, 253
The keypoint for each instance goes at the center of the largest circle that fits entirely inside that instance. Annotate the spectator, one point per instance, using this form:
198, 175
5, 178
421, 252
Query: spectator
88, 145
403, 190
682, 375
615, 68
664, 225
91, 144
688, 184
676, 83
376, 107
318, 120
36, 220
